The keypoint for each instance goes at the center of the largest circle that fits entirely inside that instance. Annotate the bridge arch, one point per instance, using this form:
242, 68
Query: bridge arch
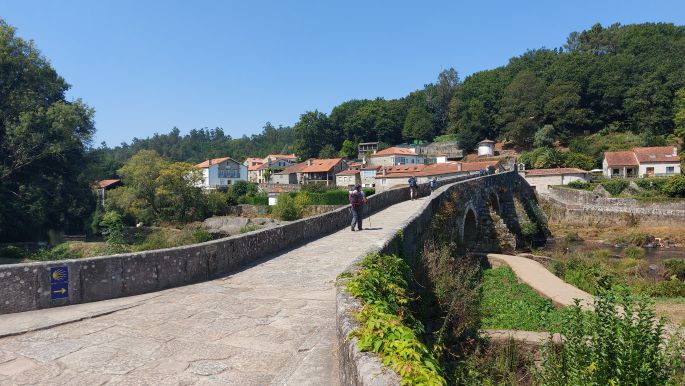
469, 234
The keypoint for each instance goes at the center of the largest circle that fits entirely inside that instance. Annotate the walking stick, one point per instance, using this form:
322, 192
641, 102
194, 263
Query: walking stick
369, 217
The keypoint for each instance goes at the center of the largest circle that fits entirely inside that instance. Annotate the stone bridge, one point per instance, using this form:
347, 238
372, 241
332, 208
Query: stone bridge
254, 309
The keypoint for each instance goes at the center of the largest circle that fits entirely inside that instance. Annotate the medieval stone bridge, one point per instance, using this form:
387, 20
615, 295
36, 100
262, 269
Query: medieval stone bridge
243, 310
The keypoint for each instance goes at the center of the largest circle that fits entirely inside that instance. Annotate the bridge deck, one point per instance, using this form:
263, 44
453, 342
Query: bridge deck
271, 323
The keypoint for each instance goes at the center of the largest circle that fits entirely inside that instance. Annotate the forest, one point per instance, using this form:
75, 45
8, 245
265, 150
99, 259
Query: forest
605, 88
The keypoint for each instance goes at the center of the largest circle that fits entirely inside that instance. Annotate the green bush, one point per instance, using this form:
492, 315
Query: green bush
13, 252
622, 343
633, 252
652, 184
287, 209
579, 184
662, 289
387, 326
112, 228
529, 229
572, 237
675, 267
201, 235
580, 161
590, 277
59, 252
257, 199
615, 186
674, 187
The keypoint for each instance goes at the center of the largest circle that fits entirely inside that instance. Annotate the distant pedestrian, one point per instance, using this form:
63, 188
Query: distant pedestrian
413, 194
357, 201
433, 184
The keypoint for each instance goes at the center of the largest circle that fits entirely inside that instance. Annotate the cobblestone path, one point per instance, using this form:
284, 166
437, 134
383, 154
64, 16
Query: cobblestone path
271, 323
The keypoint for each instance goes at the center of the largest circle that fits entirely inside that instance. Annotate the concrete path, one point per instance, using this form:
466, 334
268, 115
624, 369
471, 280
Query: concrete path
271, 323
541, 280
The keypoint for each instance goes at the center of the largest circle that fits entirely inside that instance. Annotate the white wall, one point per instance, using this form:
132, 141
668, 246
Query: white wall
659, 168
541, 183
394, 160
486, 149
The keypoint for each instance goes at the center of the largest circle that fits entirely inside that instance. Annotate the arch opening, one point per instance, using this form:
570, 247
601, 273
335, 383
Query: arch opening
493, 200
470, 233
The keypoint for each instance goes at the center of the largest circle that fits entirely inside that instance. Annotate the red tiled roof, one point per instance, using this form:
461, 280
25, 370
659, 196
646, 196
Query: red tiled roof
554, 172
476, 166
282, 156
486, 141
321, 165
205, 164
347, 173
254, 167
393, 151
107, 183
621, 158
656, 154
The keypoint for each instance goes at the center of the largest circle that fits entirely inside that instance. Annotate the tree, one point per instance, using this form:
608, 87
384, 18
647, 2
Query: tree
521, 108
563, 107
311, 134
349, 149
418, 125
43, 141
140, 173
679, 117
544, 137
328, 151
177, 195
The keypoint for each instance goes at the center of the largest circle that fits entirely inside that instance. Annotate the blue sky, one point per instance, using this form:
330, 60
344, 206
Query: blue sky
147, 66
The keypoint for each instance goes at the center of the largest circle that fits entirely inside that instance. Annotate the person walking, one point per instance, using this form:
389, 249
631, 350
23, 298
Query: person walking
412, 188
357, 201
433, 184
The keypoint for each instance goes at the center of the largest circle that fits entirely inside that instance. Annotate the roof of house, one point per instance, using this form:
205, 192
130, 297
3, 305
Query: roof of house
621, 158
214, 161
656, 154
347, 173
252, 160
282, 156
486, 141
554, 172
393, 151
475, 166
107, 183
371, 167
296, 168
321, 165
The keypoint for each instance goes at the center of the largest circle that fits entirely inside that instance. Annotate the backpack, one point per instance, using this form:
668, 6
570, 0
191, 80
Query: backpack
356, 198
412, 182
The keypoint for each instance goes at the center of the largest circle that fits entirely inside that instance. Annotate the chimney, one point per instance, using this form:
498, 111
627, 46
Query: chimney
675, 151
309, 162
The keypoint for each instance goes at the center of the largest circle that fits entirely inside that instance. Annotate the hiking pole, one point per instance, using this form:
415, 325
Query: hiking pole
369, 218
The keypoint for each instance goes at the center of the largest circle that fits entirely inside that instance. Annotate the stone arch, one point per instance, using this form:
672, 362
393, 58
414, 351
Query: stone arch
493, 201
469, 234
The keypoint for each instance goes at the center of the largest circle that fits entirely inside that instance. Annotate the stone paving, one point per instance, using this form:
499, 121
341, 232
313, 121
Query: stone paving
272, 323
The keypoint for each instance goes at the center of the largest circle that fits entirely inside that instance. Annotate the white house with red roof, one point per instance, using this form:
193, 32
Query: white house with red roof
394, 156
220, 173
322, 171
542, 179
642, 162
257, 167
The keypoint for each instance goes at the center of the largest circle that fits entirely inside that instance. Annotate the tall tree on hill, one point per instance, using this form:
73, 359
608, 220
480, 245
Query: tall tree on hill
563, 108
521, 108
439, 95
418, 125
43, 139
311, 134
679, 117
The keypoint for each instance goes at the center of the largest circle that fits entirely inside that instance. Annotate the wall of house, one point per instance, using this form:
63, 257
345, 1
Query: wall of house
659, 168
541, 183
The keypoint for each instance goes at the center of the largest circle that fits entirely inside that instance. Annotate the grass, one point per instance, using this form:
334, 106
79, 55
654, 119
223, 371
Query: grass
510, 305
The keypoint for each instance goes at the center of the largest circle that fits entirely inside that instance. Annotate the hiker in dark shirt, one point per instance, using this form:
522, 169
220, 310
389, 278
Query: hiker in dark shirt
357, 201
413, 188
433, 184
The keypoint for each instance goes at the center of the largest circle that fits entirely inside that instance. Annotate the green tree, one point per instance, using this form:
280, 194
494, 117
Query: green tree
580, 161
43, 142
327, 151
177, 195
349, 149
521, 108
311, 134
140, 173
679, 117
418, 125
544, 137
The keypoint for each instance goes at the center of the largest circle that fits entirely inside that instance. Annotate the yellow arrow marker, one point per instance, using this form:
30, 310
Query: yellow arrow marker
60, 291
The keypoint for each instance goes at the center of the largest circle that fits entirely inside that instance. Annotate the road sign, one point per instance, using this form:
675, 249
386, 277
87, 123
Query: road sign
59, 274
59, 282
59, 291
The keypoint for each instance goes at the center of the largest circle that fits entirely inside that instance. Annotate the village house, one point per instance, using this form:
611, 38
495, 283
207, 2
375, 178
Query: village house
393, 176
220, 173
394, 156
261, 168
641, 162
541, 179
365, 148
103, 185
322, 171
347, 178
367, 175
290, 175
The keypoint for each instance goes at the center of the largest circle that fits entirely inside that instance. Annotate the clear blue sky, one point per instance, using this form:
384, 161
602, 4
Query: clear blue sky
147, 66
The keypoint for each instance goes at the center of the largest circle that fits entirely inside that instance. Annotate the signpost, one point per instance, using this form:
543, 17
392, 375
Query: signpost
59, 283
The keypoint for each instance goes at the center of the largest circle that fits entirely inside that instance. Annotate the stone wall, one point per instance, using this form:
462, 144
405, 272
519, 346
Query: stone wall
27, 286
583, 206
357, 368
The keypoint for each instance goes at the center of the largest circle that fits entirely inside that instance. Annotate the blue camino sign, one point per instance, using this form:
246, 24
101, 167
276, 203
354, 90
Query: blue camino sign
59, 283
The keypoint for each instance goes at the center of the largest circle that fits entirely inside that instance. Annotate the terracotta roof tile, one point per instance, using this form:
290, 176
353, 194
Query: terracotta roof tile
393, 151
554, 172
656, 154
476, 166
215, 161
107, 183
621, 158
347, 173
321, 165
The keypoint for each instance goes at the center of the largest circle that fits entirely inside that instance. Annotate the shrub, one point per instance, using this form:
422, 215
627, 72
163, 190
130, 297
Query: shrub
12, 252
581, 161
633, 252
579, 184
201, 235
249, 228
112, 228
572, 237
529, 229
662, 289
652, 184
257, 199
590, 277
621, 344
675, 267
287, 209
615, 186
674, 187
387, 326
59, 252
316, 188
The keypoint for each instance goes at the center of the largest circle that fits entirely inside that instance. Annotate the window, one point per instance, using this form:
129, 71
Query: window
670, 169
615, 171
